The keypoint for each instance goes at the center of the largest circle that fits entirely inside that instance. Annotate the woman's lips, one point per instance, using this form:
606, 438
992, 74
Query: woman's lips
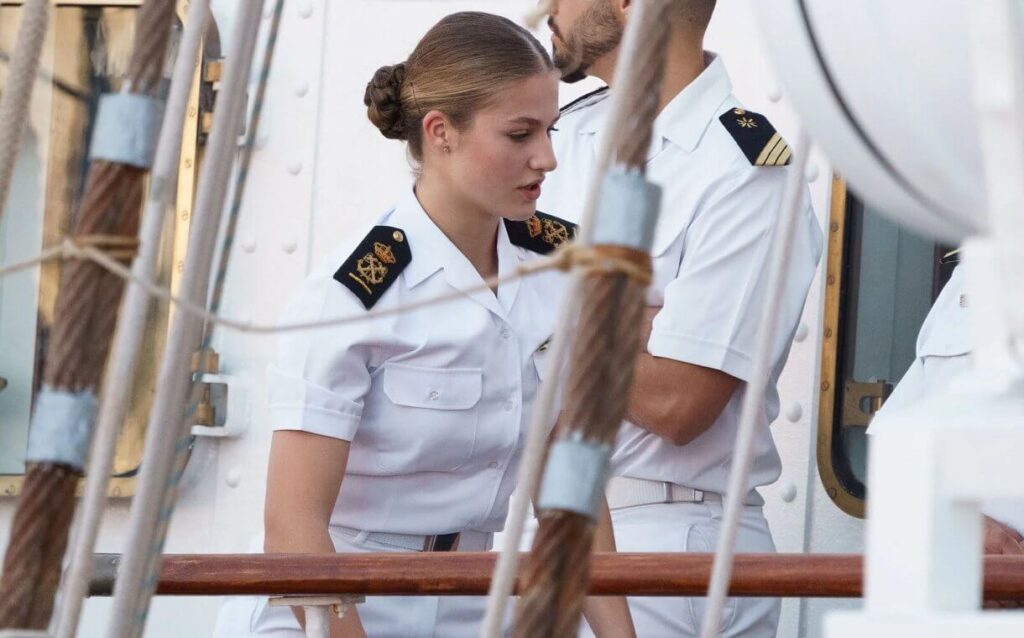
532, 192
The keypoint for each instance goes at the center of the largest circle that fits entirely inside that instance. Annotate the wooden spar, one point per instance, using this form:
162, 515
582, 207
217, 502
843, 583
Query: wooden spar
469, 573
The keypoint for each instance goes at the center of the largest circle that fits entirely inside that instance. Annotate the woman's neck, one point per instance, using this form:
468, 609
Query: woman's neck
473, 231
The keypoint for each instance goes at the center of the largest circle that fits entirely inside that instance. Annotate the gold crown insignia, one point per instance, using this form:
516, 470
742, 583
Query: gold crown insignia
383, 252
533, 226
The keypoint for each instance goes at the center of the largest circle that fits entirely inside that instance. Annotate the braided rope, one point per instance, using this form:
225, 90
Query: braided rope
17, 94
130, 329
166, 435
604, 351
38, 532
569, 257
86, 309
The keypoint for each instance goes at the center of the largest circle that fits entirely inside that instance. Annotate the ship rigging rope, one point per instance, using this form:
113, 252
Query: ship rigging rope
752, 408
163, 457
131, 327
84, 318
17, 93
604, 349
569, 257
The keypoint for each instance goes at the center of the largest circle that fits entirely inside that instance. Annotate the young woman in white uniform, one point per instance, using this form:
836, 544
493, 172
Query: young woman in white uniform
403, 433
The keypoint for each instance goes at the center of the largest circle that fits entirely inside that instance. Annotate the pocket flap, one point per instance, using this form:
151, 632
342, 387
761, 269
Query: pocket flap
433, 388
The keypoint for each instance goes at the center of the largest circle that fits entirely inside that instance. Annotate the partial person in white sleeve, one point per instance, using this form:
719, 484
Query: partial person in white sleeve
943, 354
723, 170
403, 433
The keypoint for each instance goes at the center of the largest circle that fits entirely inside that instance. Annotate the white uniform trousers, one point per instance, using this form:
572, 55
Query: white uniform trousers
382, 616
693, 527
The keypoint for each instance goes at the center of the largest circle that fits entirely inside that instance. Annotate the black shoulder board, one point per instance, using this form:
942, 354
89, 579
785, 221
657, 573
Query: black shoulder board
375, 264
756, 137
583, 100
541, 233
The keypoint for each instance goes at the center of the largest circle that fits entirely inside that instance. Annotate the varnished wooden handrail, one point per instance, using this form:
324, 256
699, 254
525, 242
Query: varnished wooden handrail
468, 573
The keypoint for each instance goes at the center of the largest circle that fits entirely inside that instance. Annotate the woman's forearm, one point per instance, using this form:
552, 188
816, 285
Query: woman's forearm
608, 616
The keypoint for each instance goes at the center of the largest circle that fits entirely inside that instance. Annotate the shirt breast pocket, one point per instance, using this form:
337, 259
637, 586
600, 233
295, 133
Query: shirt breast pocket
429, 421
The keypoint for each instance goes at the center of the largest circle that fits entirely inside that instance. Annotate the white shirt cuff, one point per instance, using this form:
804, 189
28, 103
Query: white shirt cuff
314, 420
670, 345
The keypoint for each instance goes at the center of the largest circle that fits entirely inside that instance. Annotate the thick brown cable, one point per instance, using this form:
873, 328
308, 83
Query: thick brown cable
556, 576
86, 310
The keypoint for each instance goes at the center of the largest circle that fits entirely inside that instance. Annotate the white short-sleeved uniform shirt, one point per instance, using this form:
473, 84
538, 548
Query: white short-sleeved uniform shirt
711, 249
942, 354
436, 400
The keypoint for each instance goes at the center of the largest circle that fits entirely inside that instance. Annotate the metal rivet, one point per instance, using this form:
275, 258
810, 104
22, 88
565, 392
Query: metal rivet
295, 168
301, 88
788, 492
289, 245
306, 10
398, 235
801, 333
794, 411
812, 172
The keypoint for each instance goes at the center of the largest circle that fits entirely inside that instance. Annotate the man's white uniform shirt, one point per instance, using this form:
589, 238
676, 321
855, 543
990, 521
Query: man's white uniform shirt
943, 353
435, 400
711, 249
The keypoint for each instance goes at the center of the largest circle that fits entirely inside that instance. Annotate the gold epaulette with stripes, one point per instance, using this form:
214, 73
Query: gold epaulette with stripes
756, 137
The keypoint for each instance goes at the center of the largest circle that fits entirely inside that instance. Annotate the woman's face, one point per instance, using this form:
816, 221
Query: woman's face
497, 163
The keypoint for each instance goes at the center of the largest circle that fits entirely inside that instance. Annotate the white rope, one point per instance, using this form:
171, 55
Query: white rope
154, 499
69, 249
532, 465
17, 94
131, 326
753, 397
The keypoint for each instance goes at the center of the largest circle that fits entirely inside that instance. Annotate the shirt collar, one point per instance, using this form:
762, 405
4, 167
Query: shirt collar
433, 251
426, 241
685, 119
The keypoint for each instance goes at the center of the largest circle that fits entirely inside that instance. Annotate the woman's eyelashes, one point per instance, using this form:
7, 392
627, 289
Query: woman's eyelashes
522, 136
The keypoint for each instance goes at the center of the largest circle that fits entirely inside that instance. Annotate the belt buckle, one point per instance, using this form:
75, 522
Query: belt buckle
692, 495
441, 543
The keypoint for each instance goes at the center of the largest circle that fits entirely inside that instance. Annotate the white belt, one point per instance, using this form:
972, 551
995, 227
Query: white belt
466, 541
626, 491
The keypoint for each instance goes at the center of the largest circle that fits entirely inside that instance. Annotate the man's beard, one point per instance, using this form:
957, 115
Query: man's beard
594, 34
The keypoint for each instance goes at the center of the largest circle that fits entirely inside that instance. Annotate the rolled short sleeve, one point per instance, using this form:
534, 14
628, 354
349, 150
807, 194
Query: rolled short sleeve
711, 312
319, 378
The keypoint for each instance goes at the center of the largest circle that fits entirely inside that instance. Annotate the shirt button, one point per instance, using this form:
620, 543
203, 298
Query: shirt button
505, 333
509, 405
434, 395
492, 464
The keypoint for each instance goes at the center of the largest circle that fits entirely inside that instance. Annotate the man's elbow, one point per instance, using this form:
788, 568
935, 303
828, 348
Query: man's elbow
675, 425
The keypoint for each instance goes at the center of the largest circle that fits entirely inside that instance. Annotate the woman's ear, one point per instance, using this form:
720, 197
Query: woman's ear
436, 132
